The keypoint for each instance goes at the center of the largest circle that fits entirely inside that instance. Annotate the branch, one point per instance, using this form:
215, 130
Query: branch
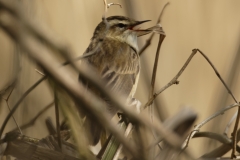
198, 127
149, 40
174, 80
33, 120
221, 150
219, 137
234, 133
179, 123
6, 100
154, 73
18, 103
218, 75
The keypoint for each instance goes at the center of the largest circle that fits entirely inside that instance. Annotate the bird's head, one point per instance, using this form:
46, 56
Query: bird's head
121, 28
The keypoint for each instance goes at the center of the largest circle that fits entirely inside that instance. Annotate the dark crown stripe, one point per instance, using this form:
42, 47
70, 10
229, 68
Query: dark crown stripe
120, 18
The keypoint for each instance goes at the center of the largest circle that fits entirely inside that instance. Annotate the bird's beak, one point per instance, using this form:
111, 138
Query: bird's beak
140, 32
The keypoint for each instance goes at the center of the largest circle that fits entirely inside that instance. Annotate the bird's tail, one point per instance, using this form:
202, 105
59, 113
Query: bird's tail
93, 131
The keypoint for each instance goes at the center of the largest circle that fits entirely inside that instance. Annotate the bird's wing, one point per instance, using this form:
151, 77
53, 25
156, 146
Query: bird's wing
116, 63
117, 66
120, 67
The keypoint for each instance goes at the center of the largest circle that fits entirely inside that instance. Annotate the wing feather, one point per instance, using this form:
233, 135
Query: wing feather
117, 66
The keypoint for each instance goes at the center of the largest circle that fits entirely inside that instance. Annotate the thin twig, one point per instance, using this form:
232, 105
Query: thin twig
18, 103
234, 133
6, 100
154, 73
149, 40
221, 100
173, 81
198, 127
219, 76
57, 119
33, 120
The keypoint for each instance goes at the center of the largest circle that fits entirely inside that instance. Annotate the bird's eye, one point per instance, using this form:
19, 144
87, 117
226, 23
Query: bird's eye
121, 25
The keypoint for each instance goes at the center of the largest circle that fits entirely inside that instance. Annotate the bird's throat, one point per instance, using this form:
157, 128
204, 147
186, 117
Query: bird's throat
130, 39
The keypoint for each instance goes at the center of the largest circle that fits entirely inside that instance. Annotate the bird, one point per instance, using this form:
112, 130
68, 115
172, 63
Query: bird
116, 61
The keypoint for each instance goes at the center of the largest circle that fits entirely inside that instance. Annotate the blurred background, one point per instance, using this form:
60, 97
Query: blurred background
212, 26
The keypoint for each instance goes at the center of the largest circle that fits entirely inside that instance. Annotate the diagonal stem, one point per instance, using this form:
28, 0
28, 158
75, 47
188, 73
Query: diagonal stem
175, 79
18, 103
10, 110
218, 75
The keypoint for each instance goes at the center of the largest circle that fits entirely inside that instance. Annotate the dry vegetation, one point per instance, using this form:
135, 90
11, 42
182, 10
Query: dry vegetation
26, 132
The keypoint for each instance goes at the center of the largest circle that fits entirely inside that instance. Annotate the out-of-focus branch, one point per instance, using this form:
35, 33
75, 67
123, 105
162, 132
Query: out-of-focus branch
179, 123
221, 150
219, 137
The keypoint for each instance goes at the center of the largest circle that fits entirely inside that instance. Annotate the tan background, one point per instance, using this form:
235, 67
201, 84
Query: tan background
212, 26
